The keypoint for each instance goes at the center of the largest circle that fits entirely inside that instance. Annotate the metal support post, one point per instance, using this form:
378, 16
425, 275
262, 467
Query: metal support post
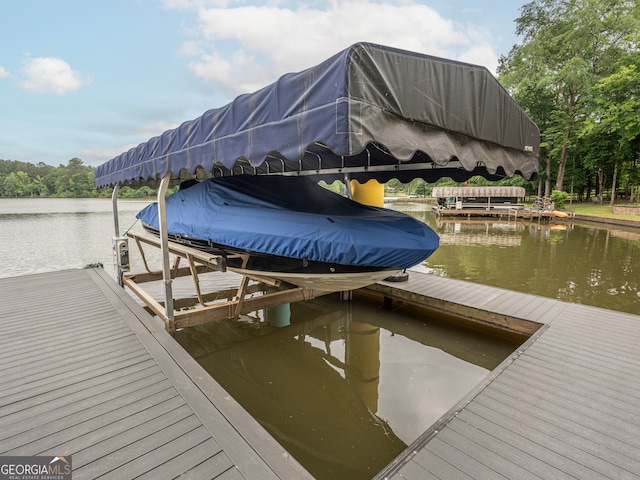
116, 225
164, 246
114, 202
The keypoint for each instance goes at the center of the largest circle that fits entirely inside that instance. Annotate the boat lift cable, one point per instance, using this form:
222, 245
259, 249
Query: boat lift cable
127, 230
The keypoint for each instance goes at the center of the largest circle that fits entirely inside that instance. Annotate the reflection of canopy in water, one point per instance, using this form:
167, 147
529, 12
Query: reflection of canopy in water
480, 239
257, 379
369, 111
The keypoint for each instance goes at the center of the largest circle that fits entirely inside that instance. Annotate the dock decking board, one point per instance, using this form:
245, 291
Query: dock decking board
86, 372
591, 433
564, 407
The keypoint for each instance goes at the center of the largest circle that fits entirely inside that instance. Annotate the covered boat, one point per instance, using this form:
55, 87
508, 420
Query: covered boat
292, 229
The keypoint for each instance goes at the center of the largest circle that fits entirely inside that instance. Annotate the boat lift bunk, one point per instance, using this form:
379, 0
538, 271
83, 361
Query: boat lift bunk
198, 262
247, 299
368, 113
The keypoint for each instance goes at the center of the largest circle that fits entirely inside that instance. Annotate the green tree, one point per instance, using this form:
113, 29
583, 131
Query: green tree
20, 179
423, 189
18, 184
73, 180
567, 47
612, 119
559, 198
10, 185
395, 186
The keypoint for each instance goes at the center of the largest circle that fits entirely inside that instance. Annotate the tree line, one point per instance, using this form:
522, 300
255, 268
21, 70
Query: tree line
74, 180
576, 71
21, 179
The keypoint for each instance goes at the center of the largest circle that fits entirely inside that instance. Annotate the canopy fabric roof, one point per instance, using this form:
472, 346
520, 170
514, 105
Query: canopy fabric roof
369, 111
484, 191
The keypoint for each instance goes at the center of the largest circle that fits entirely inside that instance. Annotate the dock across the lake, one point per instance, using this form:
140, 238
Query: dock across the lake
87, 372
501, 212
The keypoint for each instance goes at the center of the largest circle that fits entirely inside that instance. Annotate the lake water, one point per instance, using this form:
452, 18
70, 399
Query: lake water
588, 264
43, 235
346, 386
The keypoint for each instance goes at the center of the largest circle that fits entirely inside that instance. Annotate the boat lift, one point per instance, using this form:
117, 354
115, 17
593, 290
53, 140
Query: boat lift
198, 262
369, 111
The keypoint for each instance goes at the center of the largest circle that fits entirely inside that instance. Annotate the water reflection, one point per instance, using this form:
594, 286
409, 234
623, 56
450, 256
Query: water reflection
579, 263
479, 233
346, 386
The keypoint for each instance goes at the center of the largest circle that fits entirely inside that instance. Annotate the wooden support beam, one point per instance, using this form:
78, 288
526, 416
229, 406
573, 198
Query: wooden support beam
196, 281
155, 306
176, 265
144, 277
233, 308
215, 262
141, 250
240, 296
226, 310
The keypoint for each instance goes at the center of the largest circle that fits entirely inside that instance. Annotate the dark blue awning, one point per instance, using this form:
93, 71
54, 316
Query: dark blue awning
369, 111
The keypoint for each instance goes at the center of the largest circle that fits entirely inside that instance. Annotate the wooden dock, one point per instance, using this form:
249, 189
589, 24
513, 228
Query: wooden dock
510, 213
564, 405
86, 372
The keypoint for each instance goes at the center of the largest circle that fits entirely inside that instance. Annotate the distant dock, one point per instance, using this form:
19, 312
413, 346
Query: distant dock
503, 212
87, 372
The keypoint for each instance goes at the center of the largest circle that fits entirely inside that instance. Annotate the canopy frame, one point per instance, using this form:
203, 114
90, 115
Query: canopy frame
169, 317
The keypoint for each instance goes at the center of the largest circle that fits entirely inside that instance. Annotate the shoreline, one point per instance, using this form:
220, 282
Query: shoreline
599, 219
619, 222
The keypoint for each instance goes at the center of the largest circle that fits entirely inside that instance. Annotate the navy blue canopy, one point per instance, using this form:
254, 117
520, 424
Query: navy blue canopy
296, 218
369, 111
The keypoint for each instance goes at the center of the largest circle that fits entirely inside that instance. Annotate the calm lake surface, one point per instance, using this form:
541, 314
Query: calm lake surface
587, 264
346, 386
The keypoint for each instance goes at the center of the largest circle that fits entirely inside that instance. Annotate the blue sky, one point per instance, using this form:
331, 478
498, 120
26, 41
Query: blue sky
91, 79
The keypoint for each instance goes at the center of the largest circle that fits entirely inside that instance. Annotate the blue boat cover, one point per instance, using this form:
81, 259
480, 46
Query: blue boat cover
373, 111
294, 217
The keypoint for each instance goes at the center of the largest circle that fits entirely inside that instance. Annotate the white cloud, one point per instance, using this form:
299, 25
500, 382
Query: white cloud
480, 55
244, 47
155, 129
97, 156
4, 73
50, 75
